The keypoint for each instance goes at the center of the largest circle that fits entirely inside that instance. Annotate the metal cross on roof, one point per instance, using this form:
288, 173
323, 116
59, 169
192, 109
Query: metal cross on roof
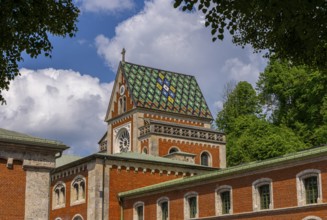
123, 54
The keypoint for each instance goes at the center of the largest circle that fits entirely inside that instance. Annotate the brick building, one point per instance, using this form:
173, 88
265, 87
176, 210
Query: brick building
159, 159
25, 165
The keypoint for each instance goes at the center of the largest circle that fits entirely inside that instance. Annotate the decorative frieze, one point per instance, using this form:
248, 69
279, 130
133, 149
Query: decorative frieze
179, 131
69, 172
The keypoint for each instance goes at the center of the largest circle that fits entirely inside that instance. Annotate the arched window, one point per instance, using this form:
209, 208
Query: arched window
145, 150
173, 150
122, 105
262, 194
205, 159
308, 184
77, 194
77, 217
224, 203
191, 209
59, 195
138, 213
163, 208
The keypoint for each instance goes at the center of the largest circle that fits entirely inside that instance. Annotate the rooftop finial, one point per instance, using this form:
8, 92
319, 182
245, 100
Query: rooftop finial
123, 54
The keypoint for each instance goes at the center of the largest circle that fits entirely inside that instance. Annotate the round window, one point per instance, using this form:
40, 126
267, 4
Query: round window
123, 140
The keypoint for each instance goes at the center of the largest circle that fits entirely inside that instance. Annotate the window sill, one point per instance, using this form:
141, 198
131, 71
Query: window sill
78, 202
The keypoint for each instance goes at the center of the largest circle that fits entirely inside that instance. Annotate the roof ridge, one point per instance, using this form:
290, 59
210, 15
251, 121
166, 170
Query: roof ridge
159, 69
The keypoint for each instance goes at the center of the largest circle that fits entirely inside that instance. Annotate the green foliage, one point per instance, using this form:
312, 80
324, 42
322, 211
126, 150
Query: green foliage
295, 30
297, 97
241, 101
24, 27
253, 139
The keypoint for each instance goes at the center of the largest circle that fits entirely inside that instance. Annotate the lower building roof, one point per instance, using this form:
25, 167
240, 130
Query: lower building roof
20, 138
228, 172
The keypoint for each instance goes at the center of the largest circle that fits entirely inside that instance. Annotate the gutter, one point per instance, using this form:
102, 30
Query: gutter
121, 205
103, 177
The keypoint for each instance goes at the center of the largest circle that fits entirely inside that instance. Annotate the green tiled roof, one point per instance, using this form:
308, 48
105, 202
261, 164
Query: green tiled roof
241, 169
16, 137
66, 159
164, 90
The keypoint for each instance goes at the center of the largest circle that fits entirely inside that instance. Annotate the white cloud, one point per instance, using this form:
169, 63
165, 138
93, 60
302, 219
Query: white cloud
167, 38
105, 5
58, 104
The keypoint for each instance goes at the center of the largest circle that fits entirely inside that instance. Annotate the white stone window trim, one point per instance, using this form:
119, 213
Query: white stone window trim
218, 203
116, 132
209, 158
187, 205
311, 217
300, 188
73, 200
159, 211
77, 216
135, 206
256, 195
59, 200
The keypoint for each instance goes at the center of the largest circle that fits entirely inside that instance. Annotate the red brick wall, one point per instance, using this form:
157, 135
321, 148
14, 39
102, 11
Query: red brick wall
12, 191
69, 211
122, 180
284, 196
189, 147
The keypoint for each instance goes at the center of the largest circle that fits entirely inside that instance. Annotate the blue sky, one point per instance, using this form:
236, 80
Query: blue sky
65, 98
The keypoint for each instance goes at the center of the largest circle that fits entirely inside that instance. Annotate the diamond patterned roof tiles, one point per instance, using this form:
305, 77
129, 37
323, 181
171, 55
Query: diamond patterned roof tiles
164, 90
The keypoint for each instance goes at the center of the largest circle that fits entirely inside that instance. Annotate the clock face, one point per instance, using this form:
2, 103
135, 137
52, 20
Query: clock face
123, 141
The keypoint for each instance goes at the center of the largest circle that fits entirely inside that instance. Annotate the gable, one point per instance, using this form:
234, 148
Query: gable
114, 109
164, 90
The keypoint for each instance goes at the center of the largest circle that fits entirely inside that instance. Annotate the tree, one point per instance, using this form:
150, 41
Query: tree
297, 97
25, 26
294, 30
253, 139
241, 100
249, 135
